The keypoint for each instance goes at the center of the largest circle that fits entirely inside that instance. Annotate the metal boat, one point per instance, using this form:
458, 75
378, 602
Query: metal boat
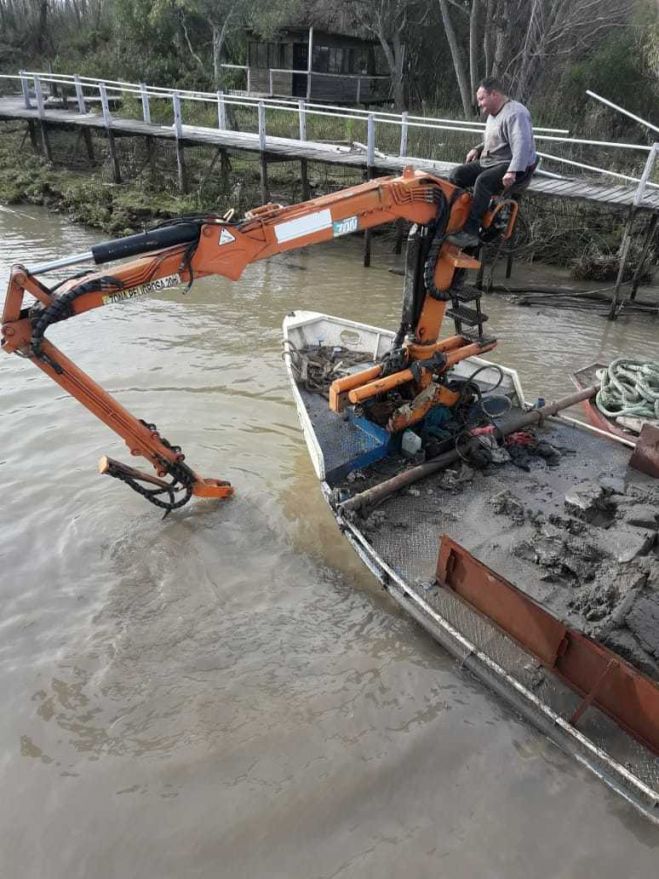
541, 581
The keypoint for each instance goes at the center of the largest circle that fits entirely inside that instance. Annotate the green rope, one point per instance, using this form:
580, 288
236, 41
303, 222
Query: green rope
629, 387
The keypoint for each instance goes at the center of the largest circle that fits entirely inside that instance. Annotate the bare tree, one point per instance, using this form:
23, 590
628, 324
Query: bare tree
520, 38
457, 56
554, 29
391, 22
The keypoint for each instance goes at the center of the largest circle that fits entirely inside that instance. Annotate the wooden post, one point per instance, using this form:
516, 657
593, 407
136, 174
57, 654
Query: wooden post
400, 236
82, 109
38, 93
178, 131
80, 96
370, 173
265, 193
304, 178
400, 224
403, 135
33, 135
42, 121
107, 119
304, 165
623, 252
89, 145
370, 142
54, 90
302, 118
627, 235
25, 86
225, 168
309, 63
649, 235
221, 112
146, 109
150, 144
261, 112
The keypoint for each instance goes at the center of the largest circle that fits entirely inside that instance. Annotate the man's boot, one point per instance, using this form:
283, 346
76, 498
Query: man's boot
467, 236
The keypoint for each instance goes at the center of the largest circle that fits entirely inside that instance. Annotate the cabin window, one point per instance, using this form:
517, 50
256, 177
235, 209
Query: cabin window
336, 61
276, 55
361, 61
321, 59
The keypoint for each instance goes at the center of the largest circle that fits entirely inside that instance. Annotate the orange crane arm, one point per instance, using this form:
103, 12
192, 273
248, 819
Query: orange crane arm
182, 251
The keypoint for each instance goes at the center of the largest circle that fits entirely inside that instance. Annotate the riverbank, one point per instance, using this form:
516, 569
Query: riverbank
84, 195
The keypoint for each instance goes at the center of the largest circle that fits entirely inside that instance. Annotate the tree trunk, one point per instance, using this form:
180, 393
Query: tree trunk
394, 54
500, 40
219, 37
473, 45
42, 27
487, 37
456, 56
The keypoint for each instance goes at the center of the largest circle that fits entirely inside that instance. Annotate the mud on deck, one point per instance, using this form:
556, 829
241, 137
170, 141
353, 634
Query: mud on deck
580, 537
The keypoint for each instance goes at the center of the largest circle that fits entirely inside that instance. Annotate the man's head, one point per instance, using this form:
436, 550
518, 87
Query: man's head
490, 96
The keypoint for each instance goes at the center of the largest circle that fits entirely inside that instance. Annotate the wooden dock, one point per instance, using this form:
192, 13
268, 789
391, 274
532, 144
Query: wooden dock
280, 149
89, 104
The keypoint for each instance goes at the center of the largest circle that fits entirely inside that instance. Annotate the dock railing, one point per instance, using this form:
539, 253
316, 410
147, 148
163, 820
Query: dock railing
375, 131
367, 86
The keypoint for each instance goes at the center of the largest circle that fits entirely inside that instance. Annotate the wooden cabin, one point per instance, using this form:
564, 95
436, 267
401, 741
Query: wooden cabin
344, 69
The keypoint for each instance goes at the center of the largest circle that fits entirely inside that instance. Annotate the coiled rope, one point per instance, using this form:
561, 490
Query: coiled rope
629, 387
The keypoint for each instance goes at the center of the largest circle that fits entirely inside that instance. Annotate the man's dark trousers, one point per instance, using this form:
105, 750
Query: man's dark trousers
487, 181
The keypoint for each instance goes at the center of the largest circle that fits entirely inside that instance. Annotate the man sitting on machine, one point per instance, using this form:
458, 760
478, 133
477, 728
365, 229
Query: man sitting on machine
506, 158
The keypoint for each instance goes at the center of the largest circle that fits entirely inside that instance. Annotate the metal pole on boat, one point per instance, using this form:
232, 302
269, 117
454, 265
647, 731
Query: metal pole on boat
407, 477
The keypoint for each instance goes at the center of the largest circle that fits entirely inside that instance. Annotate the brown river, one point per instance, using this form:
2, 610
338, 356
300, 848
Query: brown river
228, 692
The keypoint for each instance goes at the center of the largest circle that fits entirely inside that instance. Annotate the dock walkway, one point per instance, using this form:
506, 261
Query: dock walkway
46, 101
12, 107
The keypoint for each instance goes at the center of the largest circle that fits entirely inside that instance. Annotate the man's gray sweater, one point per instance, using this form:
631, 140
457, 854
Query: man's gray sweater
509, 138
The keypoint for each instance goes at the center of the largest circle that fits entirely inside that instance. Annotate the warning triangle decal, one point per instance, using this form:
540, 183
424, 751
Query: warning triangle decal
226, 237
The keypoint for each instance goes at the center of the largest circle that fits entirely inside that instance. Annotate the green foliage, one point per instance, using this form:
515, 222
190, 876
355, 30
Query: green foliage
615, 70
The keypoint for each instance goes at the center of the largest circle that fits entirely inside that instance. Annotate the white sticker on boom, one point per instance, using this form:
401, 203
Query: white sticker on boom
303, 226
226, 237
156, 286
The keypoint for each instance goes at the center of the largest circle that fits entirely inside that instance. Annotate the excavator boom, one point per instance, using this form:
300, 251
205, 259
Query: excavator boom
181, 251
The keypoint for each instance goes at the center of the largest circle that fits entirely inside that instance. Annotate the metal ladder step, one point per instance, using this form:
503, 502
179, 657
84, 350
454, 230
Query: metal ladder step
470, 316
473, 336
466, 294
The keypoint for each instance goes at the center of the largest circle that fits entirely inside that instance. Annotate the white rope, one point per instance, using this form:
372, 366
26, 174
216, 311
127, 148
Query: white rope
629, 387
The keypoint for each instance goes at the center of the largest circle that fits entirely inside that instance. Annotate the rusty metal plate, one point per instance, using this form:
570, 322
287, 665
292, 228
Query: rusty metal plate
646, 454
598, 674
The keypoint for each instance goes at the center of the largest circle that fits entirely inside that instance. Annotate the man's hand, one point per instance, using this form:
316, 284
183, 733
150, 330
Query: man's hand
508, 179
473, 155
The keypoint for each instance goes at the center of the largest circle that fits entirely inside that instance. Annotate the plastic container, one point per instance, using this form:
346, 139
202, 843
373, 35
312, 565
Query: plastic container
410, 443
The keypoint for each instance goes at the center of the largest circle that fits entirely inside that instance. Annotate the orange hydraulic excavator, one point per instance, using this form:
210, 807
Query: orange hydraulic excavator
186, 249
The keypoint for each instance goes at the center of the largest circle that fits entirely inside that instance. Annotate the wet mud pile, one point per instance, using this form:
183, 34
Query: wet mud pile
602, 553
579, 534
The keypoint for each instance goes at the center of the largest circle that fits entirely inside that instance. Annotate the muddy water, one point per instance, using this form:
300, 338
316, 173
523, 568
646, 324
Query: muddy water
228, 693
